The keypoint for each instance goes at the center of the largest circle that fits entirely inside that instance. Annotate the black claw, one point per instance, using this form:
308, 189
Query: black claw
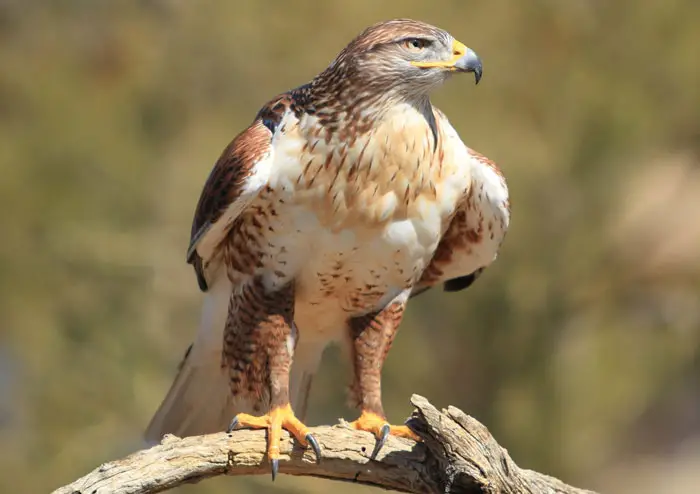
314, 445
275, 468
232, 425
380, 440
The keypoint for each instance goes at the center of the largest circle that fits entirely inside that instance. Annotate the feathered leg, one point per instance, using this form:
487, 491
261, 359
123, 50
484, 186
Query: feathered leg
371, 336
259, 342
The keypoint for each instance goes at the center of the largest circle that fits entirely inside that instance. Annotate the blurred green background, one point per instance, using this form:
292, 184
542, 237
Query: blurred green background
579, 348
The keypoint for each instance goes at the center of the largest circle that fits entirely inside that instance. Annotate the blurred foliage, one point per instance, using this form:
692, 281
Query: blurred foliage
579, 348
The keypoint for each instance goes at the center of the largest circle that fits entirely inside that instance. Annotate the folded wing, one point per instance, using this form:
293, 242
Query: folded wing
240, 174
477, 229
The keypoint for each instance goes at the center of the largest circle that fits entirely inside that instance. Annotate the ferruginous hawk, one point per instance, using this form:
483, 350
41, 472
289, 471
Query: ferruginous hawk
341, 200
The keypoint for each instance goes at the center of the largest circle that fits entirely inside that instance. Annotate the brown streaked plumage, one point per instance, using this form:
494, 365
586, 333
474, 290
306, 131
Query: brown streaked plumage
372, 335
267, 318
343, 198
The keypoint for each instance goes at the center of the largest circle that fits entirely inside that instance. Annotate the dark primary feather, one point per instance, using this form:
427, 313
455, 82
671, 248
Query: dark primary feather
453, 285
198, 266
457, 284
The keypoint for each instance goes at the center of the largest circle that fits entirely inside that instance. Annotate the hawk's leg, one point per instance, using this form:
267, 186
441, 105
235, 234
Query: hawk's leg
371, 336
258, 347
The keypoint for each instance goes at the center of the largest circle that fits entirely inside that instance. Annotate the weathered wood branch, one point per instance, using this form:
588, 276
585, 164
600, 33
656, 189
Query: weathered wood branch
458, 455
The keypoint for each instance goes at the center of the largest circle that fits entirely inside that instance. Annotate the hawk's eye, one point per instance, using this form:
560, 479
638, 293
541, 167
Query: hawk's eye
415, 44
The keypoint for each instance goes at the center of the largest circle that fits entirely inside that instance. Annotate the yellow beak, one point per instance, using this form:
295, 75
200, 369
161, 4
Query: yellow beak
463, 60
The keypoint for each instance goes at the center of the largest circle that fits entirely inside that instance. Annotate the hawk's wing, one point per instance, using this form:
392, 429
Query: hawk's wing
242, 171
478, 227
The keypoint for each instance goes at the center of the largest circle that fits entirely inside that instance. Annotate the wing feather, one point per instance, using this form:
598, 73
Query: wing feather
476, 231
242, 171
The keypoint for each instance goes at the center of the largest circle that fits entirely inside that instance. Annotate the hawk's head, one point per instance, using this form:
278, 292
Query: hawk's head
405, 55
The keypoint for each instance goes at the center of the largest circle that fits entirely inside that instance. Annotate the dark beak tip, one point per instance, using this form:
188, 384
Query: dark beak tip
470, 62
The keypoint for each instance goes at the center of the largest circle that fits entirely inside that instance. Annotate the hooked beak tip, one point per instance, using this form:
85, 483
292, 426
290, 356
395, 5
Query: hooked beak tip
470, 62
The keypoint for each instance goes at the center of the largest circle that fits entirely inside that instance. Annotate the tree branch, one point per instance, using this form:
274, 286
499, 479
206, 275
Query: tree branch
458, 455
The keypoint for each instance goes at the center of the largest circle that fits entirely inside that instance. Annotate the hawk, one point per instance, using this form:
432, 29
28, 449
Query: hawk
342, 199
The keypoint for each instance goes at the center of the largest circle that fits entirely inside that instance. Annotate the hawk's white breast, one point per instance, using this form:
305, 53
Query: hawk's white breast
358, 224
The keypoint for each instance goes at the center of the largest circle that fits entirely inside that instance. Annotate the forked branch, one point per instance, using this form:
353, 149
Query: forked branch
458, 455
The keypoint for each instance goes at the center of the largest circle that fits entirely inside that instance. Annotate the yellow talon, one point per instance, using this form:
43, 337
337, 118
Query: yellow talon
277, 419
377, 425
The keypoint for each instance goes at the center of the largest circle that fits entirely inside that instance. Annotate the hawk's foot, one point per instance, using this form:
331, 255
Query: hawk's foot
277, 419
377, 425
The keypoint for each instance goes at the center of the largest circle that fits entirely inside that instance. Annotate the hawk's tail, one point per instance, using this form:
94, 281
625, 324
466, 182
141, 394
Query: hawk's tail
307, 357
199, 400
